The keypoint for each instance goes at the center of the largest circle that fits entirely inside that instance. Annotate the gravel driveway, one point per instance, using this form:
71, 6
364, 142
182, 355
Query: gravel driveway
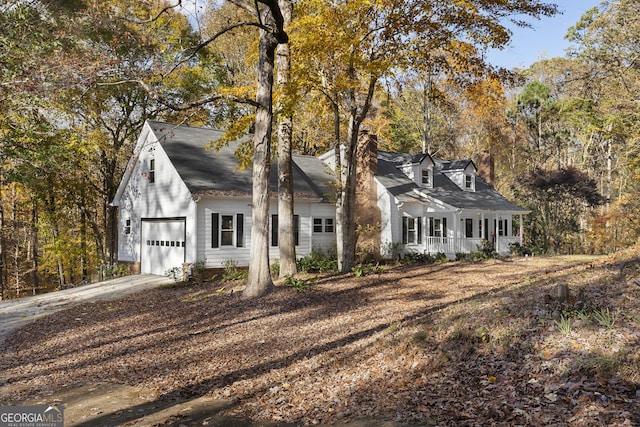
19, 312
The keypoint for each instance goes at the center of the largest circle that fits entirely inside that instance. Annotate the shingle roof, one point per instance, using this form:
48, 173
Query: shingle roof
405, 189
206, 171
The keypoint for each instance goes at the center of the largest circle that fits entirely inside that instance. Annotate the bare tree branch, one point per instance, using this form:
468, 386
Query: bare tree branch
187, 105
152, 18
203, 44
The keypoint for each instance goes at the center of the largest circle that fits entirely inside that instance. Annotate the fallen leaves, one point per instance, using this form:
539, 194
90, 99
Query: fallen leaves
415, 344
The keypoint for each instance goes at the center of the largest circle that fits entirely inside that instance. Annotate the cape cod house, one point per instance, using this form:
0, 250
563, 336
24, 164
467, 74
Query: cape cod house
180, 202
427, 205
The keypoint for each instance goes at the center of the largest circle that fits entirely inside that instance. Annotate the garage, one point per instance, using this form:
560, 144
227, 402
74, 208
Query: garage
163, 245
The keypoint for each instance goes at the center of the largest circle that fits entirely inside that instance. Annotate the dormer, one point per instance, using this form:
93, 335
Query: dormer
462, 173
420, 170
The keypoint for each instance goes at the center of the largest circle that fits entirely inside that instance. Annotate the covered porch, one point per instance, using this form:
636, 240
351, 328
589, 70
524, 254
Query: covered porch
463, 231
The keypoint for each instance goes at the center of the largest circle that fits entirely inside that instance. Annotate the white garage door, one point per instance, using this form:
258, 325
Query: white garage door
162, 245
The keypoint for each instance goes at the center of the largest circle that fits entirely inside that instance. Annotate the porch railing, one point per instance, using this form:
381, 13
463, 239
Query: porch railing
452, 245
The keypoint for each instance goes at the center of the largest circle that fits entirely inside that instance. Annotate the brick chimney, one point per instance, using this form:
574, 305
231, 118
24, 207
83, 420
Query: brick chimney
367, 211
486, 167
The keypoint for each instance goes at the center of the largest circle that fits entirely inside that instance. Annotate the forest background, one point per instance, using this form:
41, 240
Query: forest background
79, 78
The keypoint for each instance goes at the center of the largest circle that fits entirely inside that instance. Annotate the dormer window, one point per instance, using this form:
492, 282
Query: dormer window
468, 182
426, 177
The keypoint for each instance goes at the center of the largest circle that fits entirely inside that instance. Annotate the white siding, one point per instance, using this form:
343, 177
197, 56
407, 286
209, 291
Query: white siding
166, 197
323, 241
389, 234
216, 257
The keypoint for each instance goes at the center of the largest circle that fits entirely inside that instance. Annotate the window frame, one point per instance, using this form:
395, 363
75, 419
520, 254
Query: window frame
127, 226
411, 230
323, 225
468, 181
236, 231
427, 173
468, 228
152, 170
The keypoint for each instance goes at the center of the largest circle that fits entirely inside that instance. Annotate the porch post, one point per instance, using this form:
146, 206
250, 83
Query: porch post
456, 228
521, 229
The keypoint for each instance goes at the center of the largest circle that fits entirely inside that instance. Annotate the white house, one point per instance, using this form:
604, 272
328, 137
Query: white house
180, 202
430, 205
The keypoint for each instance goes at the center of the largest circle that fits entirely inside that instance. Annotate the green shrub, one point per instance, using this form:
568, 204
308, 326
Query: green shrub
317, 262
199, 271
364, 269
232, 272
412, 258
299, 284
275, 268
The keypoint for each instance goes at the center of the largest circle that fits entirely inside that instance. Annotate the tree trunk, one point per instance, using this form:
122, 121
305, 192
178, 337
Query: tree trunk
34, 243
286, 226
347, 200
259, 281
3, 246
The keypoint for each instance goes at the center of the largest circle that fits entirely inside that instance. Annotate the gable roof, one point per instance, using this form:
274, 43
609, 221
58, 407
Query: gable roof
405, 189
210, 172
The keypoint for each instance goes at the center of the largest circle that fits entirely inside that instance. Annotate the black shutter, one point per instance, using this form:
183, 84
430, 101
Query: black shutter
274, 230
239, 230
404, 230
444, 227
419, 219
296, 229
215, 230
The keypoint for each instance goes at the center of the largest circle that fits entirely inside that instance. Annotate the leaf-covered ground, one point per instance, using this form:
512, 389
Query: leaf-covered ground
459, 344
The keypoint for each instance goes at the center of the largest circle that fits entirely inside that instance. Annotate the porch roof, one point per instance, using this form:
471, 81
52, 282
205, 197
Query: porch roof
485, 197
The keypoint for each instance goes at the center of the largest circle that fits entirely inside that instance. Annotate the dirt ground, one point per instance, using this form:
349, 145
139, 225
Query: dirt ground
16, 313
453, 344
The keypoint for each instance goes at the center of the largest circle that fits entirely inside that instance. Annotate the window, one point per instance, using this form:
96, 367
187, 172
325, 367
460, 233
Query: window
127, 226
227, 230
502, 227
152, 170
274, 230
411, 230
468, 227
328, 225
468, 182
426, 177
323, 225
437, 227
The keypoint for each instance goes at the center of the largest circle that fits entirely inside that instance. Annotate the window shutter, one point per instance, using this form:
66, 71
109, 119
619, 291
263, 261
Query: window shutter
296, 229
419, 219
444, 227
431, 227
215, 230
239, 230
274, 230
404, 230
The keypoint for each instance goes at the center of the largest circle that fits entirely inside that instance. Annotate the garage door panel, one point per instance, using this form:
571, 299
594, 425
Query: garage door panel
163, 245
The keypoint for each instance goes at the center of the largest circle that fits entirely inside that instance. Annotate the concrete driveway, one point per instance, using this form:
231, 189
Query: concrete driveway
19, 312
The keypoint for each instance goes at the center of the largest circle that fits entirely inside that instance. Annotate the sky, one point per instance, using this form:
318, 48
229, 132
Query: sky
544, 40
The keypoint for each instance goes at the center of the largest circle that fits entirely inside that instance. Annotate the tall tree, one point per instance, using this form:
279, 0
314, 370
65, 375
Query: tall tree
272, 33
286, 225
